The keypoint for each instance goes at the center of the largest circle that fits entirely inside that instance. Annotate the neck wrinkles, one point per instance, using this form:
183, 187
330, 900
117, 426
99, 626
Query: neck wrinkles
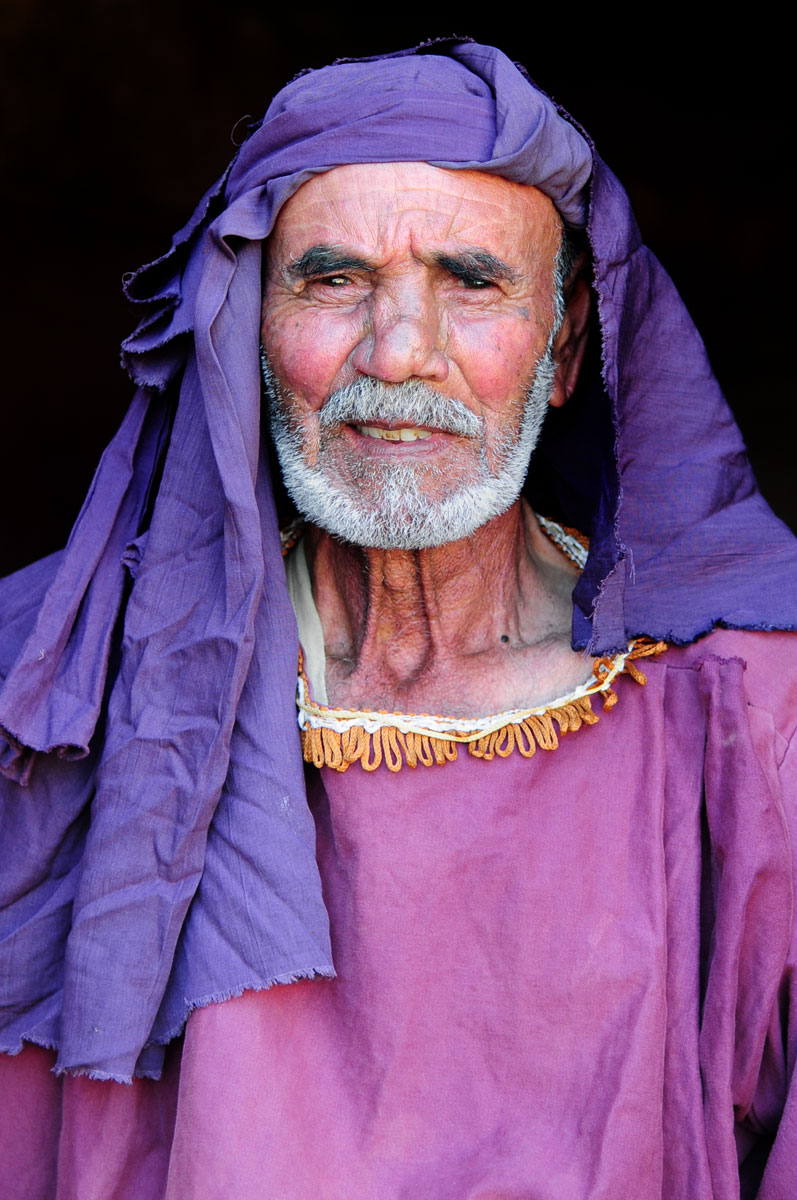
400, 626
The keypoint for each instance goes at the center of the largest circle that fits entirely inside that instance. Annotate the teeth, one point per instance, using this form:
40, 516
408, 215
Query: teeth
394, 435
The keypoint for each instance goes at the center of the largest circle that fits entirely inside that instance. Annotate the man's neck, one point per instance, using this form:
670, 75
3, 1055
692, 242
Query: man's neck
475, 626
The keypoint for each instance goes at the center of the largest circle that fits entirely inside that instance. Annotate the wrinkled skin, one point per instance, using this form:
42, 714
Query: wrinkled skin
401, 271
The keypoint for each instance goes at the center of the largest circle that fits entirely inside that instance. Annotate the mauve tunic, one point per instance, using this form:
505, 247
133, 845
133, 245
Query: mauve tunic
559, 978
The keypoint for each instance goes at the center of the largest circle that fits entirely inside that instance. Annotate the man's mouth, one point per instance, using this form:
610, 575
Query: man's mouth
405, 434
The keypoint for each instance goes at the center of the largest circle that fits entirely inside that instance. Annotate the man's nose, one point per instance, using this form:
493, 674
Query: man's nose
402, 340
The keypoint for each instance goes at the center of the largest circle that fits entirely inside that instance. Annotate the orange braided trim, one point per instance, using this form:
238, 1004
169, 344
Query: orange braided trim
394, 747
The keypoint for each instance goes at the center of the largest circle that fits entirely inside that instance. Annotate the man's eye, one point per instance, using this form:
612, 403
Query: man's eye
334, 280
475, 282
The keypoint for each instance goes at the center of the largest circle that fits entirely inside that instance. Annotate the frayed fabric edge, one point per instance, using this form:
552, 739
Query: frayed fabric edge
28, 1040
327, 971
104, 1076
703, 630
688, 638
17, 757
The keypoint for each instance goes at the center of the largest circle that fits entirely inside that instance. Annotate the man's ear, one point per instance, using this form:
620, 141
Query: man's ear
571, 340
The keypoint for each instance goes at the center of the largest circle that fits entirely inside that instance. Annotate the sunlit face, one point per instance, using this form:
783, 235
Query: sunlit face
406, 311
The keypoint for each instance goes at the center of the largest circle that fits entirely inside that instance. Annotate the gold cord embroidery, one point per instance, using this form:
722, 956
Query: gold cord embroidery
337, 737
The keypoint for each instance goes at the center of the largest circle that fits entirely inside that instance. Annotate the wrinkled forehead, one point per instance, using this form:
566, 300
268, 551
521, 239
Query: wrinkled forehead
390, 205
470, 112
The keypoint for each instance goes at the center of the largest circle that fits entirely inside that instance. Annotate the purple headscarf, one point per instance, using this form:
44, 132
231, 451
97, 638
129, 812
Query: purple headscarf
160, 850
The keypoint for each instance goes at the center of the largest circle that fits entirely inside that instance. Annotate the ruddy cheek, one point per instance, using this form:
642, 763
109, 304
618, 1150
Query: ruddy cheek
306, 357
497, 361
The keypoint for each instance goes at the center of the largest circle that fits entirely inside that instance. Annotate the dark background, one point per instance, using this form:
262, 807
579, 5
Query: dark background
118, 115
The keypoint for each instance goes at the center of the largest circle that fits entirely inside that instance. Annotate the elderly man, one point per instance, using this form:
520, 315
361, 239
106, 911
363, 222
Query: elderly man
415, 335
559, 966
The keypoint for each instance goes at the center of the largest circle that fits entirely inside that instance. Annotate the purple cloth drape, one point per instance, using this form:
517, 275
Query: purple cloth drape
168, 703
563, 977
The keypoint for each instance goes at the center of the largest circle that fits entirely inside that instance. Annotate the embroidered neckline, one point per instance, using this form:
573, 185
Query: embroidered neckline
339, 737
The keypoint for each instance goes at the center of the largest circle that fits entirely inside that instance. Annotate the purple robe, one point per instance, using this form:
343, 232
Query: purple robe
159, 847
565, 977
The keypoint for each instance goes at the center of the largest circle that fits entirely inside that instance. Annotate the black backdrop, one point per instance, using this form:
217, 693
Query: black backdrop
119, 113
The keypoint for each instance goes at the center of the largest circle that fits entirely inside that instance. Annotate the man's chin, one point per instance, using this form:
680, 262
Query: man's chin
399, 521
388, 506
391, 506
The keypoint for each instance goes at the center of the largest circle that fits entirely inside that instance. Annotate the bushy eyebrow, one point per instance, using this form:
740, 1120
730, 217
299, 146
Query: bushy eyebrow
326, 260
474, 263
469, 264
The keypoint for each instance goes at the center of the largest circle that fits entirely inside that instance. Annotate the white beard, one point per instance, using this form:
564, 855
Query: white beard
385, 506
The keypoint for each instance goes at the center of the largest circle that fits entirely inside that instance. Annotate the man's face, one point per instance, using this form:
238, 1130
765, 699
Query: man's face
406, 311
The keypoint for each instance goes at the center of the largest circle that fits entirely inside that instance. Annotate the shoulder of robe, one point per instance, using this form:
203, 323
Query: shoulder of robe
770, 674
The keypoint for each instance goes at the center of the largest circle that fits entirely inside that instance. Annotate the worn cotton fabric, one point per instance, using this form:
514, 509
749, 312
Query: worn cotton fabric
159, 849
568, 977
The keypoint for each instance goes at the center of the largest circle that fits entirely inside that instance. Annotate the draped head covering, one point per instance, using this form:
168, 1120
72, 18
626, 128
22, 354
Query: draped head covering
162, 851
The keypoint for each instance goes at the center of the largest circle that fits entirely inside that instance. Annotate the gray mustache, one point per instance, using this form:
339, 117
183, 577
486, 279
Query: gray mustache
411, 403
